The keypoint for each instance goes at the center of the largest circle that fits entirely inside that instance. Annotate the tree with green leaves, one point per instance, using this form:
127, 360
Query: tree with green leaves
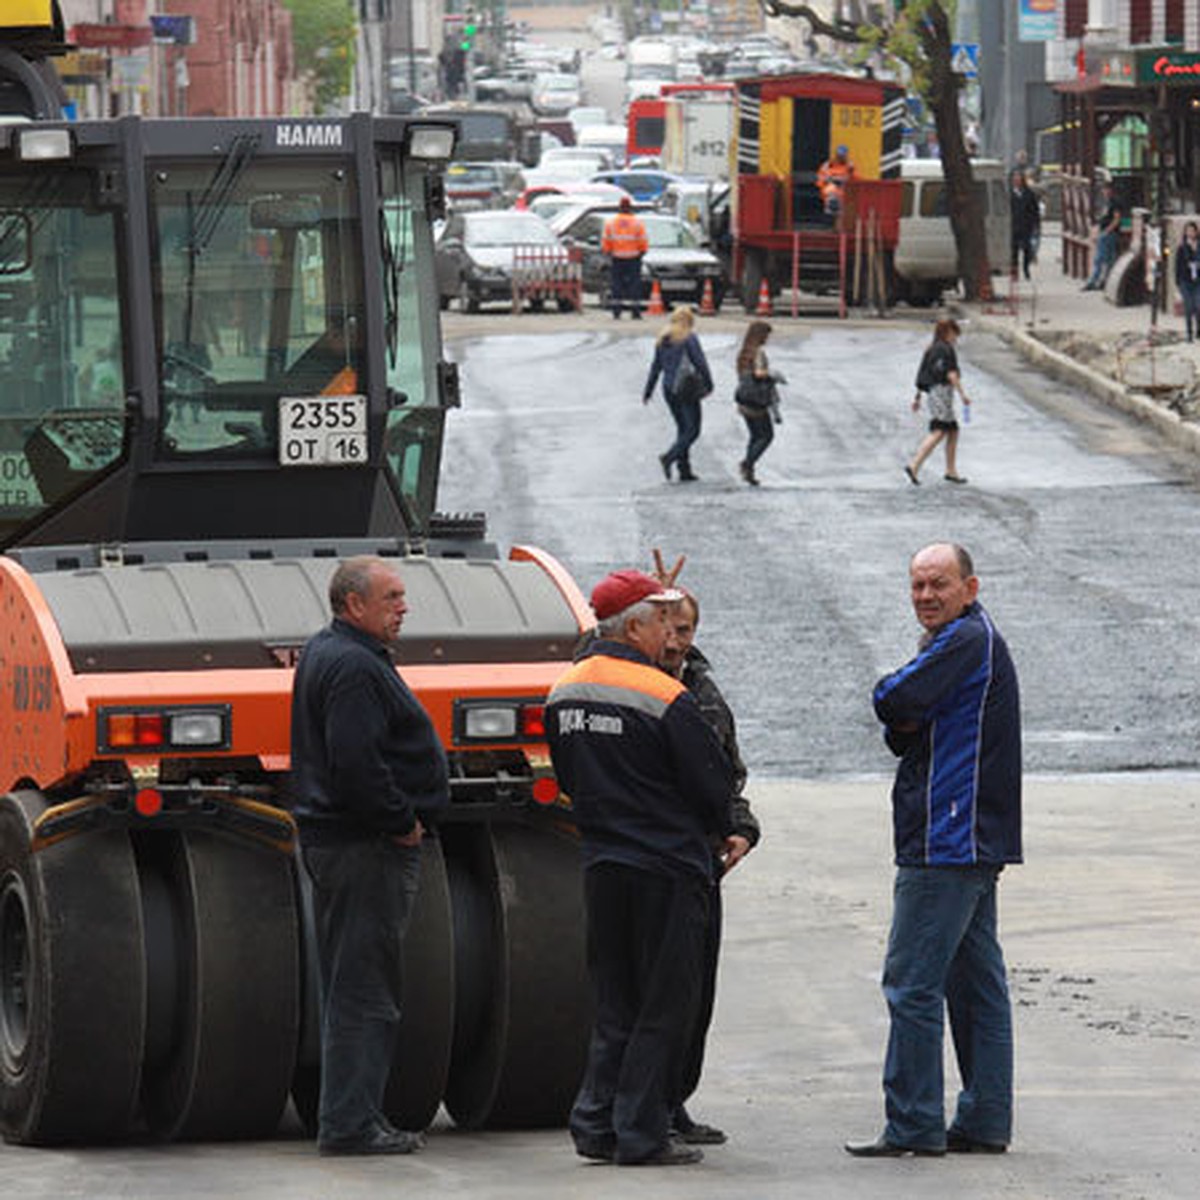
918, 34
323, 36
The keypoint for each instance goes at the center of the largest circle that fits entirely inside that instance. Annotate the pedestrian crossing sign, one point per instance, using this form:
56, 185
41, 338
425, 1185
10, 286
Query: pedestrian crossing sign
964, 59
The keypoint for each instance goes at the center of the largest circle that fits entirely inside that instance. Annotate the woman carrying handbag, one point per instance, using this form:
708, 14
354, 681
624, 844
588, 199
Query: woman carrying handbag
756, 397
686, 381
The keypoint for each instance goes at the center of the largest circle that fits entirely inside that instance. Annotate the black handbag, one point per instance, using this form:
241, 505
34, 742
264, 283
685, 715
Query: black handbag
689, 383
756, 392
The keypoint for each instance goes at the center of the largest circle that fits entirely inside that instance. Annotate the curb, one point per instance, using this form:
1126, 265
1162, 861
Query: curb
1177, 431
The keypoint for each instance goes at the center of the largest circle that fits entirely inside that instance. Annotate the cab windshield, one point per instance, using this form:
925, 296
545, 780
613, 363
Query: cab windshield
62, 381
258, 295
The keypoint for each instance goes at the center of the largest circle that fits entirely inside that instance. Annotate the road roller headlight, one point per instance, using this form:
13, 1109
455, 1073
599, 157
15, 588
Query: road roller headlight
519, 720
189, 728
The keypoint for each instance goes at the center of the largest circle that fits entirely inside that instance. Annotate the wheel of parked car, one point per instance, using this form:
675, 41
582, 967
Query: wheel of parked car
537, 304
566, 304
468, 302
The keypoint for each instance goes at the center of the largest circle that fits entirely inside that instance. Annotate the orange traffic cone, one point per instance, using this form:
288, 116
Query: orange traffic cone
764, 299
708, 307
656, 307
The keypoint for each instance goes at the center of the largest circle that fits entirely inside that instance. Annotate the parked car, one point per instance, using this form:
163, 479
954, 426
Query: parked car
474, 256
584, 192
555, 95
676, 260
483, 184
641, 185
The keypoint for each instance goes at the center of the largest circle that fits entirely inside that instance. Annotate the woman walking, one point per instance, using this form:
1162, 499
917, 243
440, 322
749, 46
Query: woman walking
756, 398
938, 379
1187, 277
686, 380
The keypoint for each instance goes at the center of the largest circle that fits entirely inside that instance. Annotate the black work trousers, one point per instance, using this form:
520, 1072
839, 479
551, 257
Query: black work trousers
363, 893
645, 944
693, 1058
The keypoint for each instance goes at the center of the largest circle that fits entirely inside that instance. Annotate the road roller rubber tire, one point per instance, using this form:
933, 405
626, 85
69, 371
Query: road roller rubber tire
72, 982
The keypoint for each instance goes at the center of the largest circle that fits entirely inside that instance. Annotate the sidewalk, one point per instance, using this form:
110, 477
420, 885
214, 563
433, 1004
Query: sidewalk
1085, 339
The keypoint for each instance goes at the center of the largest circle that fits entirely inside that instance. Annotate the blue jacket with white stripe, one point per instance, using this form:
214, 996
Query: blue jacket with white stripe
953, 717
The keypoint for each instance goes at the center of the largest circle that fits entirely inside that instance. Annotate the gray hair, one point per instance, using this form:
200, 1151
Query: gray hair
614, 626
353, 577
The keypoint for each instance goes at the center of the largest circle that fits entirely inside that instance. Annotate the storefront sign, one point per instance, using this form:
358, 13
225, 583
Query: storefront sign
174, 30
1169, 66
112, 37
1037, 20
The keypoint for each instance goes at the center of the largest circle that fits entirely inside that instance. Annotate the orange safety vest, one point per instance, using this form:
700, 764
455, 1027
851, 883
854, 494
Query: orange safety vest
624, 237
832, 176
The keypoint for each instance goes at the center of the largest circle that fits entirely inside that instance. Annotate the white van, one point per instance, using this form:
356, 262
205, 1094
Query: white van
926, 258
609, 138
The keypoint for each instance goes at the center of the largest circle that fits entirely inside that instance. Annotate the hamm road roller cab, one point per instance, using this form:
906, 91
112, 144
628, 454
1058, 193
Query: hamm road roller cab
220, 373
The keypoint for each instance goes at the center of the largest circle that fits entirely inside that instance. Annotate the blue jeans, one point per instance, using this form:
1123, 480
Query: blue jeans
687, 429
943, 953
363, 894
1106, 255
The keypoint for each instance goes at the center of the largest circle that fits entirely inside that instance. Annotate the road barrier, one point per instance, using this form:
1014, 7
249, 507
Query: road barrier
547, 272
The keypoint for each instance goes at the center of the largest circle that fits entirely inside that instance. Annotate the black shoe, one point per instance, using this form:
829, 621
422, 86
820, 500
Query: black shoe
955, 478
699, 1134
381, 1141
960, 1143
912, 476
597, 1149
882, 1148
665, 462
687, 477
673, 1154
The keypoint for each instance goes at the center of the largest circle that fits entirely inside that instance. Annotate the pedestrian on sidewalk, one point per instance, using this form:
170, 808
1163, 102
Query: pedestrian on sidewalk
686, 380
756, 396
938, 378
1026, 223
1107, 237
1187, 276
952, 716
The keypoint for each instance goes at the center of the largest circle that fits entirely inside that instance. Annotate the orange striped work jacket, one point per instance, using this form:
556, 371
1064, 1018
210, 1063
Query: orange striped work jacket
648, 780
624, 236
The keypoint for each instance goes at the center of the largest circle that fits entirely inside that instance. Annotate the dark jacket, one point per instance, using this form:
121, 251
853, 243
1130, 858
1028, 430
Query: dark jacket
938, 362
957, 796
667, 356
1024, 213
366, 759
1187, 265
698, 679
648, 781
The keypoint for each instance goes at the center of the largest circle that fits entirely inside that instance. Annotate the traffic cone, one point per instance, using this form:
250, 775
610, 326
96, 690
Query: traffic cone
708, 307
656, 307
764, 299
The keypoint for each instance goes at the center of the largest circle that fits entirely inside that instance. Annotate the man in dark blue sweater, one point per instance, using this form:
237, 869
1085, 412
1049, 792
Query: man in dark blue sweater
366, 761
952, 714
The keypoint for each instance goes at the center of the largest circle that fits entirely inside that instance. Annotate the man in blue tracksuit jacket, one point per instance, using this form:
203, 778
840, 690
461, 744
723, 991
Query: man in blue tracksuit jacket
952, 714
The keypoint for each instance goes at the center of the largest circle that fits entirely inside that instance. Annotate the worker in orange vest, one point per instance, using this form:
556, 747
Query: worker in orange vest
625, 242
832, 178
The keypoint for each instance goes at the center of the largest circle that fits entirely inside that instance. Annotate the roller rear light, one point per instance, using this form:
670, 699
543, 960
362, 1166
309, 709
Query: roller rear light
516, 719
177, 728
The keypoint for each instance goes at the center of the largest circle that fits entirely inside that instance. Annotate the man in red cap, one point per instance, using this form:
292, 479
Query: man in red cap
625, 242
650, 787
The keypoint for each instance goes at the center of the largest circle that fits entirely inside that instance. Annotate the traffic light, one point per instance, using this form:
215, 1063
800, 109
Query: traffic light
470, 28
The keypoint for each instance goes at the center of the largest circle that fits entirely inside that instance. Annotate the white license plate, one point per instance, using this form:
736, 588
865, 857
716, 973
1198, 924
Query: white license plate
322, 431
678, 285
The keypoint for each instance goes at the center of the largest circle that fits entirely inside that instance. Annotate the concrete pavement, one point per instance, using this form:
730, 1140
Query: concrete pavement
1100, 929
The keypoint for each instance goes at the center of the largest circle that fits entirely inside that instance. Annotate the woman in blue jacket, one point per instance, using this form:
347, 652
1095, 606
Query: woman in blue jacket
686, 380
